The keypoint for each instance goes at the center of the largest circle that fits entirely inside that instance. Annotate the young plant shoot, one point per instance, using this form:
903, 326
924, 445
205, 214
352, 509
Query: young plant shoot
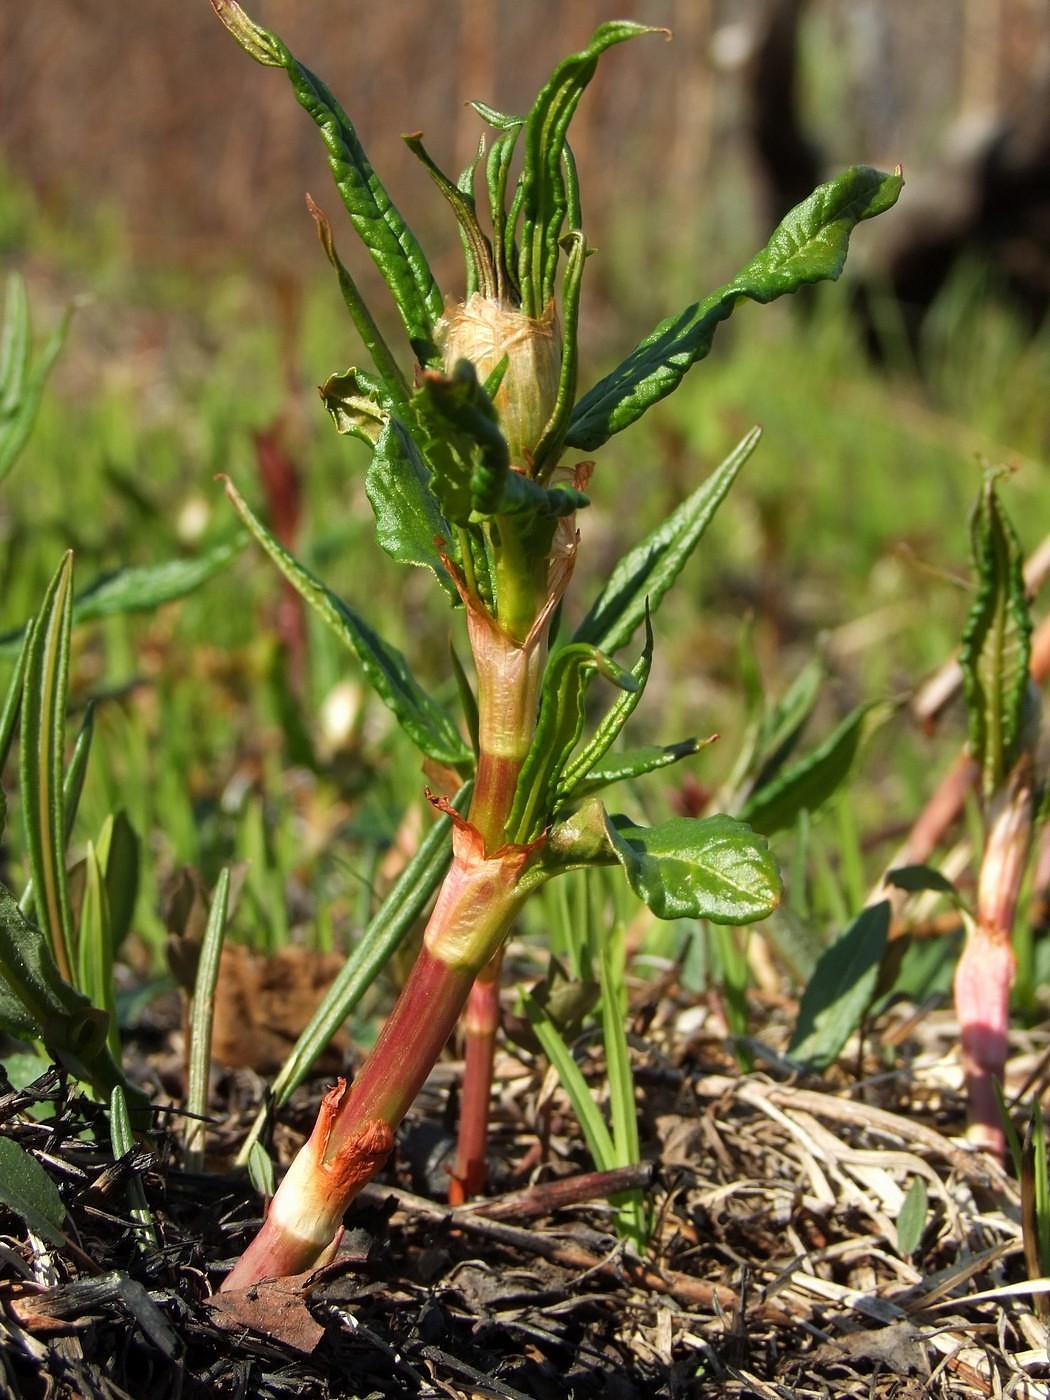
477, 474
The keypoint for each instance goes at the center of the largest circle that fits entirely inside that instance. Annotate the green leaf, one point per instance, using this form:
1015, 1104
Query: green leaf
141, 588
781, 726
996, 643
95, 946
544, 199
12, 706
911, 1220
809, 246
359, 405
839, 993
916, 879
807, 784
26, 1188
381, 228
408, 520
580, 768
36, 1002
22, 387
41, 754
642, 577
715, 868
558, 731
201, 1020
72, 787
635, 763
427, 723
118, 855
595, 1130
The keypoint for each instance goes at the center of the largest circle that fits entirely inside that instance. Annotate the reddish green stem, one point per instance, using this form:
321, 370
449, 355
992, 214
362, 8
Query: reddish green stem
480, 1025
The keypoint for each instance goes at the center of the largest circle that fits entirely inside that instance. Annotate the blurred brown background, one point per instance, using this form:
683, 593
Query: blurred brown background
149, 111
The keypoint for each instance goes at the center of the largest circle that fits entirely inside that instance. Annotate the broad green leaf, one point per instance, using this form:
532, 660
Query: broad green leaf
809, 246
996, 643
36, 1002
427, 723
544, 199
808, 783
41, 754
380, 227
840, 992
715, 868
558, 730
141, 588
408, 520
22, 386
26, 1188
642, 577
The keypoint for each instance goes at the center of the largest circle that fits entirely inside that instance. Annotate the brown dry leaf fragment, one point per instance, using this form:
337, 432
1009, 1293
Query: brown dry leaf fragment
275, 1309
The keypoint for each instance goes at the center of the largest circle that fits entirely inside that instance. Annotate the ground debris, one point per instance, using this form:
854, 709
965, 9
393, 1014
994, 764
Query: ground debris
774, 1268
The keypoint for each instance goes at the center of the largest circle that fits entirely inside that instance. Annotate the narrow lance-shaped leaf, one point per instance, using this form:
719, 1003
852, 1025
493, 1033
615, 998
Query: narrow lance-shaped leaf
41, 753
72, 787
558, 731
141, 588
427, 723
996, 642
381, 228
22, 387
392, 921
806, 785
543, 195
809, 246
95, 946
630, 764
640, 580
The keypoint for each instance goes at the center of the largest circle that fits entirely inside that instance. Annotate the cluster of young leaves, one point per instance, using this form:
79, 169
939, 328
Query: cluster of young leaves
440, 469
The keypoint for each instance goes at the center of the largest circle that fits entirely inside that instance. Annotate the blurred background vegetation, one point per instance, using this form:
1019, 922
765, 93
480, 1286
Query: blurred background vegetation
149, 169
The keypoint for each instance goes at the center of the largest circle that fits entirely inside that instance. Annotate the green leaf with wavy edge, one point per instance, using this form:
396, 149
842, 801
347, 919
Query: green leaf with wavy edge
713, 868
839, 993
996, 642
392, 245
42, 758
558, 730
358, 404
643, 576
481, 270
544, 199
408, 520
26, 1189
548, 449
810, 245
427, 723
398, 914
22, 386
808, 783
578, 770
